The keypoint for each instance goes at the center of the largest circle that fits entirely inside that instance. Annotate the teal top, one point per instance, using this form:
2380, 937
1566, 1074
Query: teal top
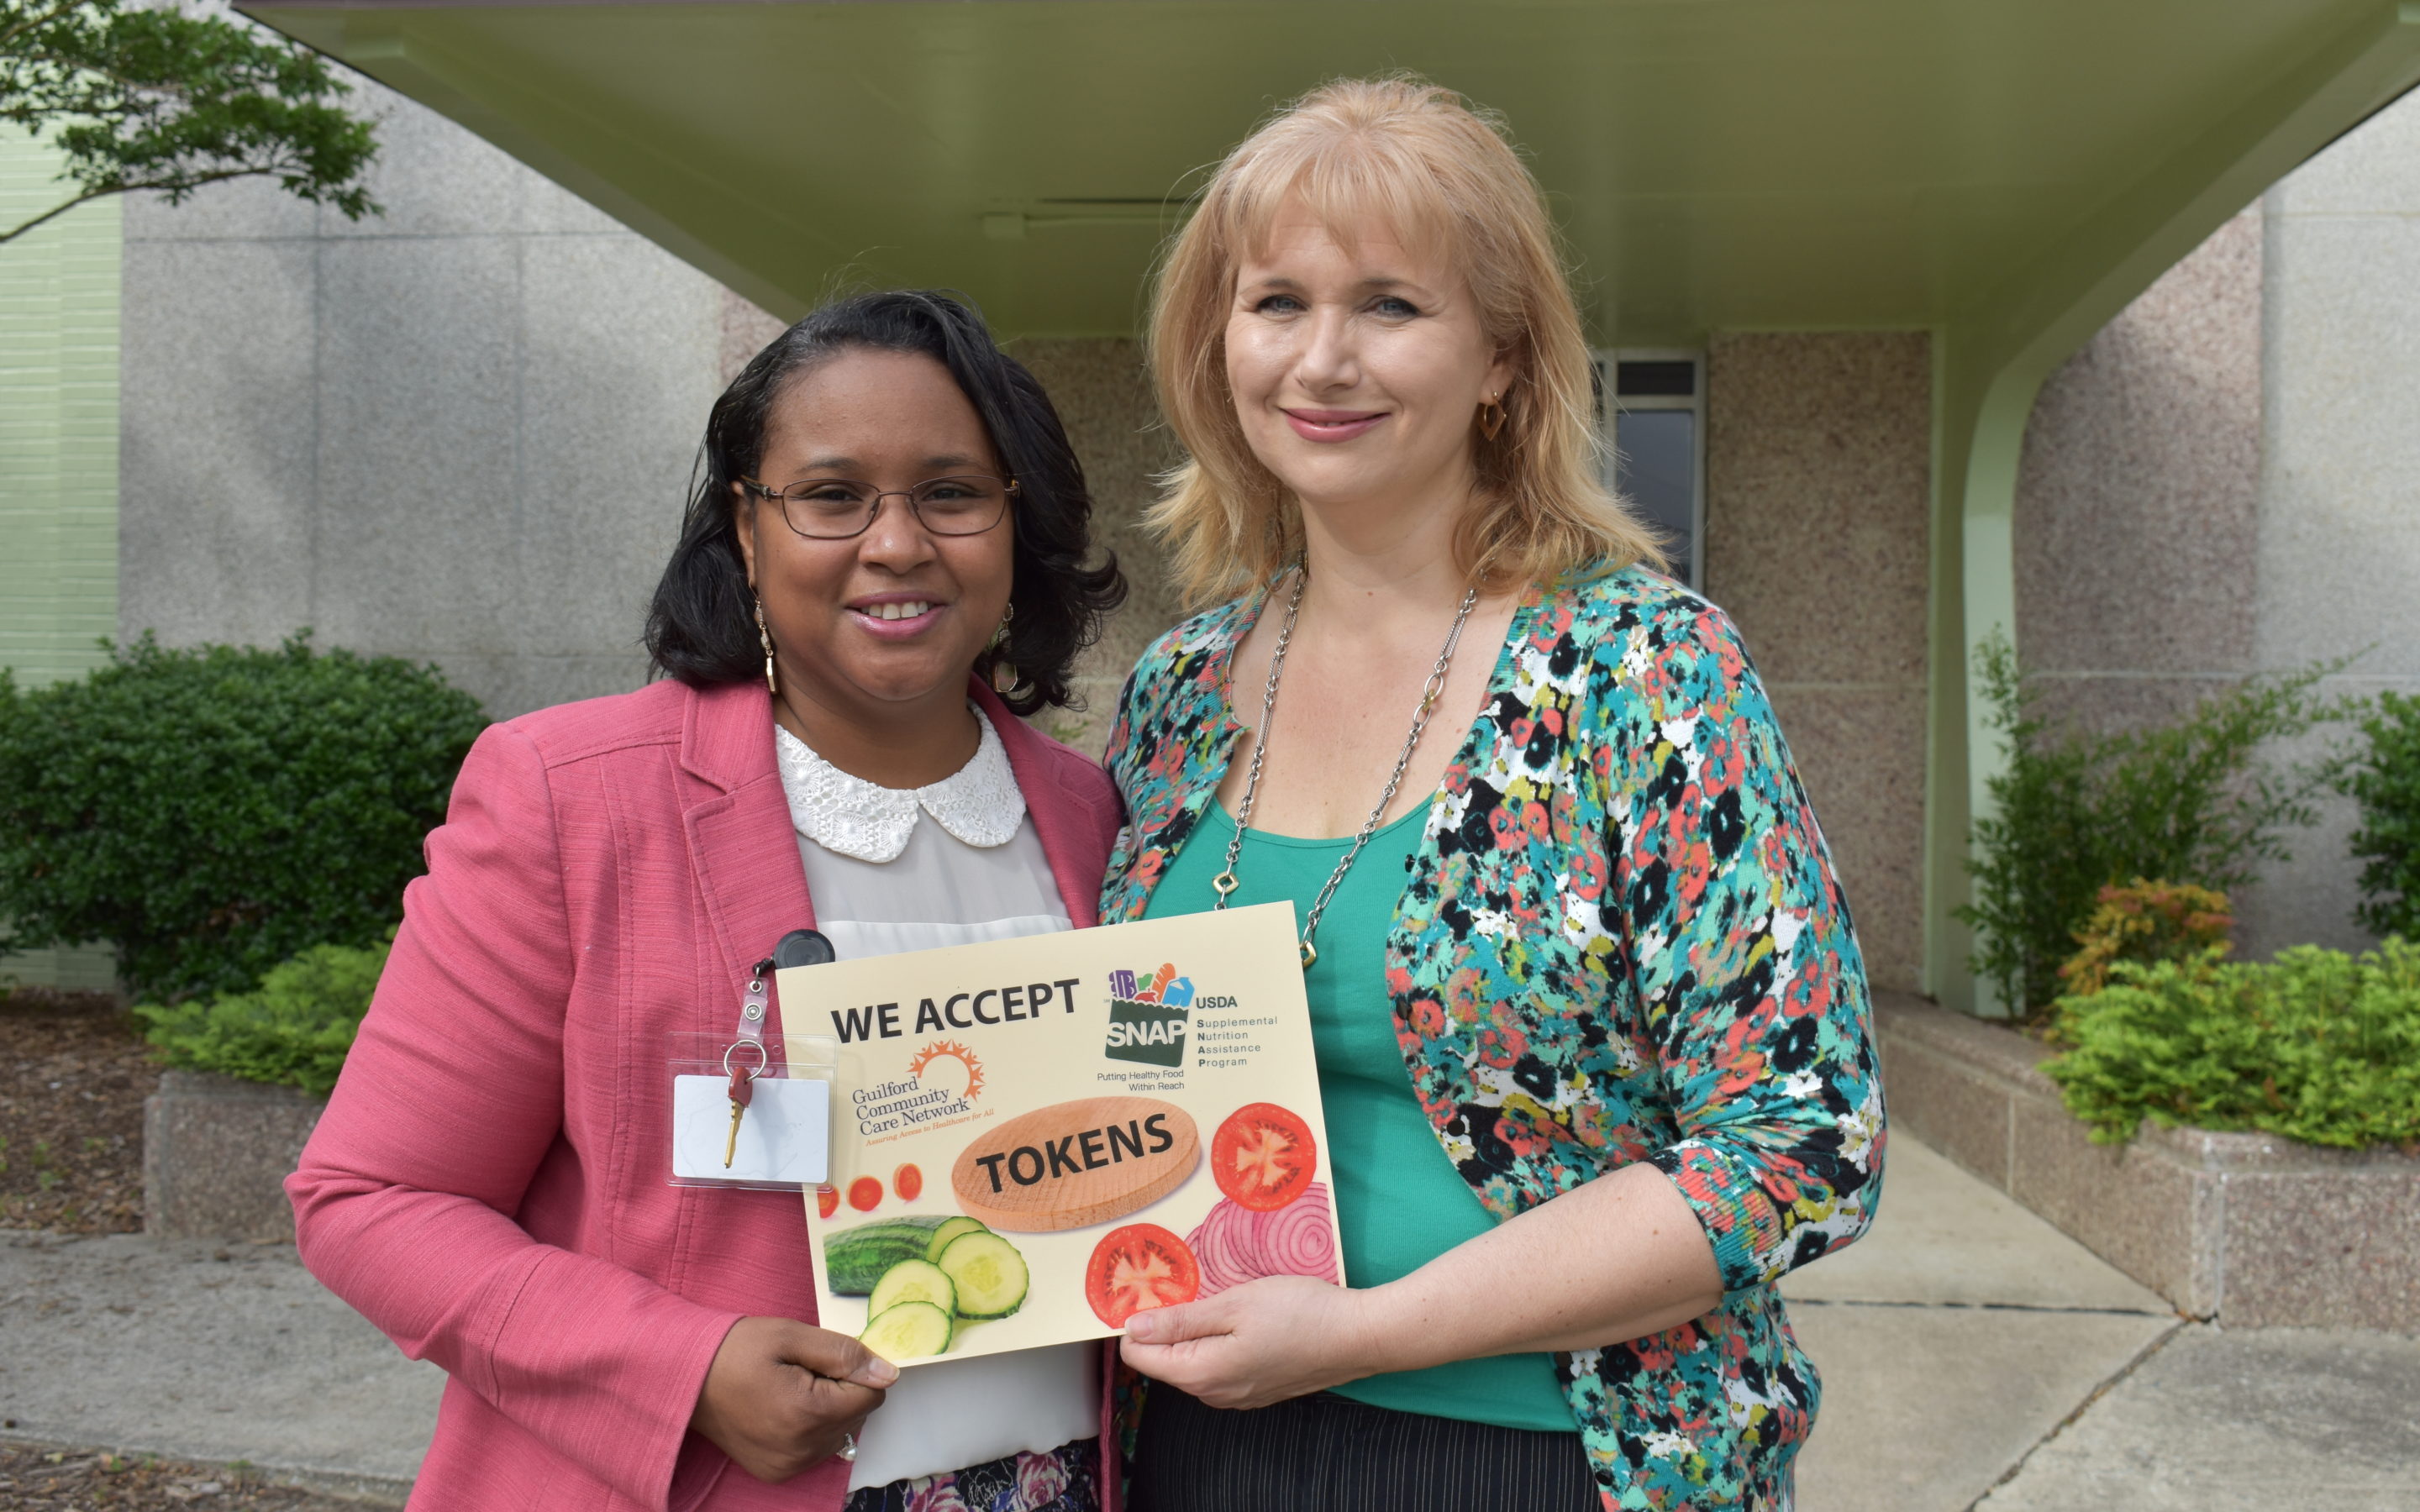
1400, 1203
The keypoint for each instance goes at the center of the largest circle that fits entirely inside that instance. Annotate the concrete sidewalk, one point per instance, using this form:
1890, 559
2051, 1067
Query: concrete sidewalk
1972, 1356
194, 1350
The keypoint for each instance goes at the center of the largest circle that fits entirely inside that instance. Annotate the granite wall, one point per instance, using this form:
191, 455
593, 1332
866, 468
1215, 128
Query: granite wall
2226, 481
1819, 455
2139, 498
1104, 396
457, 432
462, 431
2338, 547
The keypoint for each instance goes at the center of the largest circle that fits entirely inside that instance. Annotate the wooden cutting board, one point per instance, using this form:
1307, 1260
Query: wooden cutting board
1075, 1163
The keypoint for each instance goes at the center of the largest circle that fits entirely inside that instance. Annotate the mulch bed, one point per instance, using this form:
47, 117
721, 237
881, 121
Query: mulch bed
73, 1074
34, 1477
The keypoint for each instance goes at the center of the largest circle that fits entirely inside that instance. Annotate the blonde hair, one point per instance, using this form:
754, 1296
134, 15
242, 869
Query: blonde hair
1442, 174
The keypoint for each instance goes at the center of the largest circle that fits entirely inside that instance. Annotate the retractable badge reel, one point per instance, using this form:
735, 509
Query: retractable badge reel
749, 1110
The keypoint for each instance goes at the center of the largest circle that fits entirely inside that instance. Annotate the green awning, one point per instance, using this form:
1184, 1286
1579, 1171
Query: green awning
1809, 164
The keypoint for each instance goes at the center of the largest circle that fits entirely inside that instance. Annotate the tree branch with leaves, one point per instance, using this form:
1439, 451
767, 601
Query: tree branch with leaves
159, 99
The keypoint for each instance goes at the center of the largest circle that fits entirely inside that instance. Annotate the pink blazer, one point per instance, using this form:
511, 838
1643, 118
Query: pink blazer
488, 1185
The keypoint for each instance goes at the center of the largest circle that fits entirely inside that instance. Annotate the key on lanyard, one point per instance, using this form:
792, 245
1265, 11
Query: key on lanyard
800, 947
743, 1086
752, 1032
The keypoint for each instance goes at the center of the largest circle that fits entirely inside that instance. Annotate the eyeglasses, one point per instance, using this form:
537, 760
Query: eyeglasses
835, 509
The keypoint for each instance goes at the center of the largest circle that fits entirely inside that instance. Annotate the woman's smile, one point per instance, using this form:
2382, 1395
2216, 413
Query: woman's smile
897, 616
1333, 425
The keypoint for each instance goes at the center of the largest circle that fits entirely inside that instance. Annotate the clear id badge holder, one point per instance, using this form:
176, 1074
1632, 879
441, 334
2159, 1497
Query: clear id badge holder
753, 1109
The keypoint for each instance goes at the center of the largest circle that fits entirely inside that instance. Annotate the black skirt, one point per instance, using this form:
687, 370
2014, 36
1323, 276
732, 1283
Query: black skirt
1337, 1455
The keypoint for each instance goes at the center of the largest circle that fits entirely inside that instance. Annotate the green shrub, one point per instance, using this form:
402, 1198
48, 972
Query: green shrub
2316, 1046
293, 1029
211, 813
2144, 922
2194, 801
2385, 779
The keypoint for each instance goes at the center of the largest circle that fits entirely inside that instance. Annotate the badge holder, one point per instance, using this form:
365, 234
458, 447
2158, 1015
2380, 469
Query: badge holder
753, 1110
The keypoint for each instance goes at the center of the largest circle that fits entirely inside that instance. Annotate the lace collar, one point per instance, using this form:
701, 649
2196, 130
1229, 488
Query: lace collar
980, 803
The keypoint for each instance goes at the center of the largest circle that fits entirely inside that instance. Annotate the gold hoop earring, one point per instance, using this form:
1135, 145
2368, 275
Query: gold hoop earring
765, 639
1004, 675
1491, 417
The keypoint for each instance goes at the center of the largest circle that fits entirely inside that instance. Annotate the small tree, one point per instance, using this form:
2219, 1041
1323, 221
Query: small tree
159, 99
2195, 801
2385, 781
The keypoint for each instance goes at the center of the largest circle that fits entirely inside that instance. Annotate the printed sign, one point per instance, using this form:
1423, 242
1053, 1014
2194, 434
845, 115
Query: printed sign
1035, 1139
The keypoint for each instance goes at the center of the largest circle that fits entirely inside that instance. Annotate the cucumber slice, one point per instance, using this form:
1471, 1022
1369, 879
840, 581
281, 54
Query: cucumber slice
910, 1331
912, 1281
990, 1275
951, 1228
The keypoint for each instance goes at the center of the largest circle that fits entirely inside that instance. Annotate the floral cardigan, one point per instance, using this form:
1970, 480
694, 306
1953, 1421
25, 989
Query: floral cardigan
1621, 940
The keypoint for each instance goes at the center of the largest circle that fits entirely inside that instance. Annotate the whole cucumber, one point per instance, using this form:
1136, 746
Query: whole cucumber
855, 1258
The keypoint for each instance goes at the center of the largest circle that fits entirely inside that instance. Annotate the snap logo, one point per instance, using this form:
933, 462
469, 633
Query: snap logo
1075, 1163
1148, 1018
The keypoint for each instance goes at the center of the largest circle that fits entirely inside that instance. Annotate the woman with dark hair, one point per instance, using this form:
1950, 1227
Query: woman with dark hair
884, 562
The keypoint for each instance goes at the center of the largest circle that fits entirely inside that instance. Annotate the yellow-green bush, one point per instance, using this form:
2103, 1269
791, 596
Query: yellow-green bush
2316, 1046
294, 1029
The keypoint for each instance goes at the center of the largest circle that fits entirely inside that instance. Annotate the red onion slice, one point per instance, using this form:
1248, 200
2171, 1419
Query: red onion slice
1298, 1239
1225, 1248
1236, 1245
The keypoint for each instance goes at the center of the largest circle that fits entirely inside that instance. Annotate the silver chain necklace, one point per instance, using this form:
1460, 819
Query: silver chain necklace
1225, 882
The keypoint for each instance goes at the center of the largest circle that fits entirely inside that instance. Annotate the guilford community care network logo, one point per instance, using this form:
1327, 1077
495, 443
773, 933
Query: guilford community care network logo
1148, 1017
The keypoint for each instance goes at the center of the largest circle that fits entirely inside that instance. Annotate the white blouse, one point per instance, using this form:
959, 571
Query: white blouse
913, 869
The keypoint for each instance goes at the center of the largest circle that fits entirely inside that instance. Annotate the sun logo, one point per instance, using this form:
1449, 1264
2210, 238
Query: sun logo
949, 1050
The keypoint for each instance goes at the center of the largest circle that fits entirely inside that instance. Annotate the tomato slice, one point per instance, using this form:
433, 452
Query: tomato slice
908, 1181
865, 1194
1264, 1157
1136, 1268
826, 1201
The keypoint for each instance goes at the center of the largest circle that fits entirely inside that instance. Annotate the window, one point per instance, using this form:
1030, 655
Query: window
1652, 405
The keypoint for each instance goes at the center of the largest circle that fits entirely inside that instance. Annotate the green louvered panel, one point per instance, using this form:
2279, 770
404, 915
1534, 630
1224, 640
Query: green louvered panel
59, 452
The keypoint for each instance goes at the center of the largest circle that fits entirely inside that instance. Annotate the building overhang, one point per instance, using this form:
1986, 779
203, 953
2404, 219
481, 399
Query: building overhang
1715, 163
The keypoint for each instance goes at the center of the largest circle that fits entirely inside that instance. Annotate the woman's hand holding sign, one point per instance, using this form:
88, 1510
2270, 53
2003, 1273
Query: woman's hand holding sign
783, 1396
1269, 1340
1265, 1341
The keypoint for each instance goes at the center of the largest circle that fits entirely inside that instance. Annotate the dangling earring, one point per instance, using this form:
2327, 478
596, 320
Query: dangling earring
1491, 417
1003, 673
765, 639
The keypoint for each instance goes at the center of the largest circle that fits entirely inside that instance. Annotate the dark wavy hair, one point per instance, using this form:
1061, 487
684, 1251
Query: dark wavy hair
701, 626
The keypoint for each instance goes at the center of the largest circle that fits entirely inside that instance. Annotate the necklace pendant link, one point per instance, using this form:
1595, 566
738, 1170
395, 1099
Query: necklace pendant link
1225, 883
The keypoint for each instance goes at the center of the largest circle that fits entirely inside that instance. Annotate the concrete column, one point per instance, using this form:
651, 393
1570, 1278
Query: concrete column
1818, 498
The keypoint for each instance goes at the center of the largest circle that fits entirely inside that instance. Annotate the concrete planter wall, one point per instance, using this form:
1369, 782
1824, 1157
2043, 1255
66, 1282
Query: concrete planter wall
216, 1152
2249, 1229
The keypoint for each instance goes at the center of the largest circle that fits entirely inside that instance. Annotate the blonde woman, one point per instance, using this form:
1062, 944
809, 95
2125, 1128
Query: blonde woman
1591, 1022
